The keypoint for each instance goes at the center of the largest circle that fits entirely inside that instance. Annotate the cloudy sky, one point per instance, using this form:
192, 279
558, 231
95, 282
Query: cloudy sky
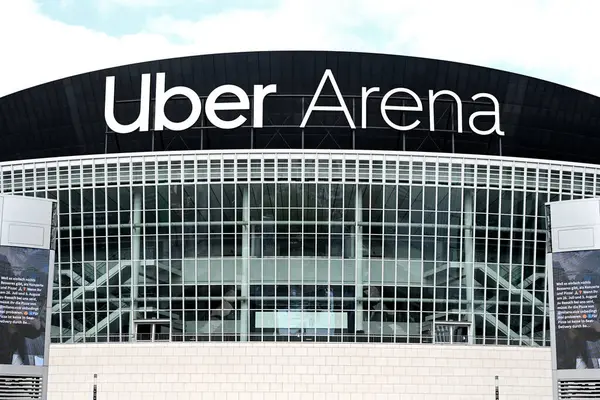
43, 40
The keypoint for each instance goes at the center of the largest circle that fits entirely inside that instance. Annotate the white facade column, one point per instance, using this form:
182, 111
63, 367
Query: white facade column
358, 254
469, 251
136, 241
245, 264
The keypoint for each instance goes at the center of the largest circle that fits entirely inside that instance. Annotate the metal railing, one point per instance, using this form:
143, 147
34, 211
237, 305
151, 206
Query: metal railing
304, 337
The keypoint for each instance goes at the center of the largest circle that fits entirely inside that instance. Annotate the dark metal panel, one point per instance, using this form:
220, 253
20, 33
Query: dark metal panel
540, 119
249, 71
285, 72
441, 75
264, 68
208, 77
71, 85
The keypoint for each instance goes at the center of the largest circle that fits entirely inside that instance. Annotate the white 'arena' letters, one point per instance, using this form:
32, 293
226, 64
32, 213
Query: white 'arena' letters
313, 103
495, 113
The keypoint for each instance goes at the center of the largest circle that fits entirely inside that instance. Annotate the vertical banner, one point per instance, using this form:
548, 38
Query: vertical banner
24, 274
28, 228
576, 305
573, 271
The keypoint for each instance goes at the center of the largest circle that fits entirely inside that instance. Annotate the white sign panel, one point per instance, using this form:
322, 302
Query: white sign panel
301, 320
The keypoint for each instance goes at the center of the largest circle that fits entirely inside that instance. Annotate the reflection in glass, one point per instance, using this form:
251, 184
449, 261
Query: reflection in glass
335, 247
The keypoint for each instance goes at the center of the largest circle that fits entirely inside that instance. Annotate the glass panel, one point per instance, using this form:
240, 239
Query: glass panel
377, 257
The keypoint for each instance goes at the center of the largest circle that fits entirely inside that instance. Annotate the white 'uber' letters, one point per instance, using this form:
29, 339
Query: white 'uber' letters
161, 121
411, 103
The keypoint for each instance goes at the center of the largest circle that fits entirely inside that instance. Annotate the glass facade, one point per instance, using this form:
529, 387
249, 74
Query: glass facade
300, 245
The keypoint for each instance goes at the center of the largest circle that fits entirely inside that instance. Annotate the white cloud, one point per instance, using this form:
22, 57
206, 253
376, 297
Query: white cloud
133, 3
37, 49
551, 39
546, 39
293, 25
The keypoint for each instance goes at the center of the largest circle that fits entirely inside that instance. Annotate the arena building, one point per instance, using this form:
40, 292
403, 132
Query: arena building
300, 224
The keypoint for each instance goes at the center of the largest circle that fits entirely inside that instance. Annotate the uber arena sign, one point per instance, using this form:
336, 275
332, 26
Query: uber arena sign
212, 105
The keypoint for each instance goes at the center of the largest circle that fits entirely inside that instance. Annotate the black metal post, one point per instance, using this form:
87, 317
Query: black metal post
497, 389
95, 390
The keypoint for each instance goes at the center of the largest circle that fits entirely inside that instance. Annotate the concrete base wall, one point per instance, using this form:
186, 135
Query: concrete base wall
239, 371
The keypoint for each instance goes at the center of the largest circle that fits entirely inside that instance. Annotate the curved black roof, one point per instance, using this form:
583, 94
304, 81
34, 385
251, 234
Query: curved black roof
540, 119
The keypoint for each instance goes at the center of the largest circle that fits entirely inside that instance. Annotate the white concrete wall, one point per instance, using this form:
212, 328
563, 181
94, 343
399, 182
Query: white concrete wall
237, 371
